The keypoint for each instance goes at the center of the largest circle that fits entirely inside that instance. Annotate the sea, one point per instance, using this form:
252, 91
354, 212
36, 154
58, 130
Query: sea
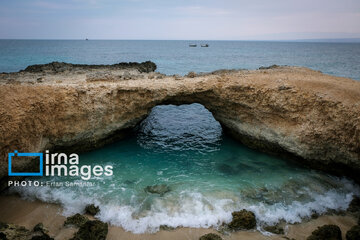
207, 174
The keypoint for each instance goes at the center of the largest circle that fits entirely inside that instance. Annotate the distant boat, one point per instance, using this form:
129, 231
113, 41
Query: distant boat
204, 45
192, 45
87, 39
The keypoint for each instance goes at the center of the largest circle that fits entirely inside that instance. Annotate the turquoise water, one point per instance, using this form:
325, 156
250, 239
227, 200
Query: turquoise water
209, 175
175, 57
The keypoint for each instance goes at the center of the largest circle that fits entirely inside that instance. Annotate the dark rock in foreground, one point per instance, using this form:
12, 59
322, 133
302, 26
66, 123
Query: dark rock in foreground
354, 205
242, 220
159, 189
326, 232
76, 220
15, 232
92, 209
353, 233
92, 230
58, 67
210, 236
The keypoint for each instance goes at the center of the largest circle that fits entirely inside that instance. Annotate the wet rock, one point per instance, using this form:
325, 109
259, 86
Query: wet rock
92, 230
210, 236
353, 233
158, 189
91, 209
274, 229
40, 228
326, 232
14, 232
166, 228
354, 205
242, 220
76, 220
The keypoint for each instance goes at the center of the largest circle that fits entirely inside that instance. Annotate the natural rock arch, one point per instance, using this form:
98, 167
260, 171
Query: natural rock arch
303, 114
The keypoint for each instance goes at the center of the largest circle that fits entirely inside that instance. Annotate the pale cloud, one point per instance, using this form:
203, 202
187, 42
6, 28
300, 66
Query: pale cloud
186, 19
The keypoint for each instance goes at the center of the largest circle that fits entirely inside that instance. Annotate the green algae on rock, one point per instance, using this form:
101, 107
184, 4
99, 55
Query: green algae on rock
242, 220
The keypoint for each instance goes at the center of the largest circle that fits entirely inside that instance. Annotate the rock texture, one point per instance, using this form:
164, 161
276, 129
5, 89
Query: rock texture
296, 112
242, 220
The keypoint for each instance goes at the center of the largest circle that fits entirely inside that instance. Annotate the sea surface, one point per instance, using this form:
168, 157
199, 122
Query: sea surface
183, 148
176, 57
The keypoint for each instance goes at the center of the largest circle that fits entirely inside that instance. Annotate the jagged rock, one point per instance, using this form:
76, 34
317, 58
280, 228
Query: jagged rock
354, 205
274, 229
76, 220
326, 232
40, 228
353, 233
15, 232
210, 236
159, 189
242, 220
92, 230
92, 209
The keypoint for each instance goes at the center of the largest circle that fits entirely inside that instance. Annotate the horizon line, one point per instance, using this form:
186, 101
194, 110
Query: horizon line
356, 39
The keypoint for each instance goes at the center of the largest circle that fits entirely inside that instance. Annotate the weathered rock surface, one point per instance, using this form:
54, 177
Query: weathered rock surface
91, 209
296, 112
242, 220
15, 232
326, 232
210, 236
92, 230
76, 220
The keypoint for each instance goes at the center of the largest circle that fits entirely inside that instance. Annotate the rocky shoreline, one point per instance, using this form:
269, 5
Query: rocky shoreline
46, 223
305, 115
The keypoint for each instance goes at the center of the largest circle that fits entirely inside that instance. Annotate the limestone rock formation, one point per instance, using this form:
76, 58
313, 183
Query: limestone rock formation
298, 113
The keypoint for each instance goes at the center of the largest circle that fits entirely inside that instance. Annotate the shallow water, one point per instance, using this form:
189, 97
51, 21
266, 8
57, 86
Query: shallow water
209, 176
176, 57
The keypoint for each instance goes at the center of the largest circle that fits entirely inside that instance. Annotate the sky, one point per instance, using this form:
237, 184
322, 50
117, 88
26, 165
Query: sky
182, 20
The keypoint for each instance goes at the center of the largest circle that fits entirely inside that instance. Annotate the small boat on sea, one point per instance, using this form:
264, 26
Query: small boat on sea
192, 45
204, 45
86, 39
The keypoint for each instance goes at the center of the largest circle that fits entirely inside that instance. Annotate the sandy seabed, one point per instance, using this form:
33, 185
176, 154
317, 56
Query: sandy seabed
28, 213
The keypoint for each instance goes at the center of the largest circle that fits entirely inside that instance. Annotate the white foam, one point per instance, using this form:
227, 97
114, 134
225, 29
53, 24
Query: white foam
191, 209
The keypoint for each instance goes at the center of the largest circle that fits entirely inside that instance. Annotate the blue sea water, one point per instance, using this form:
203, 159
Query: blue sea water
176, 57
183, 147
